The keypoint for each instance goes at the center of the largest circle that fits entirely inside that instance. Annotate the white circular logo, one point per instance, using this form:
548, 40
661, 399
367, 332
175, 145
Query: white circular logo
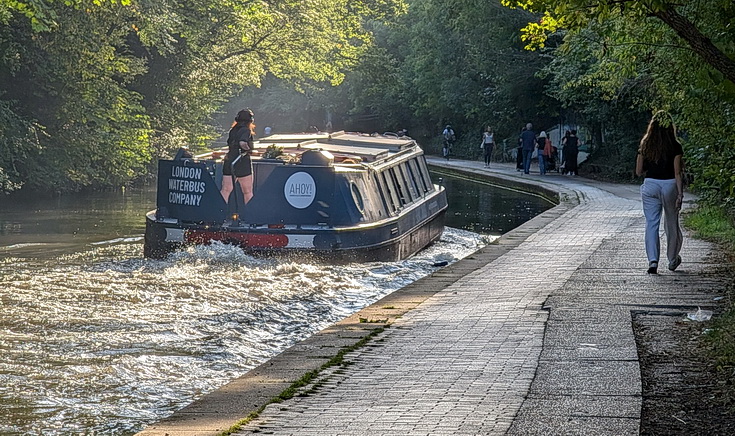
300, 190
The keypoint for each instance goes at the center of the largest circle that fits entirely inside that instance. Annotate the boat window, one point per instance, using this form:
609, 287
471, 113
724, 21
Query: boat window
410, 188
381, 192
425, 172
400, 190
357, 197
390, 189
413, 168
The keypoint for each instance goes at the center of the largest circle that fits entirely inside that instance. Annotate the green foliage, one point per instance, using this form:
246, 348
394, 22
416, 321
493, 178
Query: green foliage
578, 14
721, 339
466, 66
112, 85
71, 86
18, 141
459, 63
272, 151
714, 223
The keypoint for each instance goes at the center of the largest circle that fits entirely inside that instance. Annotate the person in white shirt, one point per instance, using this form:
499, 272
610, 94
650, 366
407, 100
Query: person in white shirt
487, 145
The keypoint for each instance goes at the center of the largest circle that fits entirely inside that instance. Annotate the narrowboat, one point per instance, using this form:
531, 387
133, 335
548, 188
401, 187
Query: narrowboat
345, 197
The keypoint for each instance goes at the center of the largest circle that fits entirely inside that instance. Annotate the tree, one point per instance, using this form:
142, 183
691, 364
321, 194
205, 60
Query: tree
577, 14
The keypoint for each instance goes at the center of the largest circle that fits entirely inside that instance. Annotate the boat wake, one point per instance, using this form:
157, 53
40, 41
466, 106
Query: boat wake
103, 341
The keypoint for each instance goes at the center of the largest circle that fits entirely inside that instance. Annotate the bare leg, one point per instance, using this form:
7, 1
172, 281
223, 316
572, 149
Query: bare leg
246, 186
226, 187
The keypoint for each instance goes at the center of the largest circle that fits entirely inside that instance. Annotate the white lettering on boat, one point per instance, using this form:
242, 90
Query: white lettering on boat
186, 186
185, 199
186, 172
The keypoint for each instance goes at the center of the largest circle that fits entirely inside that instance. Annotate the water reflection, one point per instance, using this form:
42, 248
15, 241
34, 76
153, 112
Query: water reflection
51, 226
483, 208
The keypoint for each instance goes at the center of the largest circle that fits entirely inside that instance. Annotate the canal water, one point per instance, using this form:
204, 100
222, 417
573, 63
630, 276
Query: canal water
95, 339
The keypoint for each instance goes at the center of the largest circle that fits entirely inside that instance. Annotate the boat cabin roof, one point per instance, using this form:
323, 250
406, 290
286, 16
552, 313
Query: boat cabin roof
346, 147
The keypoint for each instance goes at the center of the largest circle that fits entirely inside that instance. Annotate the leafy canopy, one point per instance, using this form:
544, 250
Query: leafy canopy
93, 91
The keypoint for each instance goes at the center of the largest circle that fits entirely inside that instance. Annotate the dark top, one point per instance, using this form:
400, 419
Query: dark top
571, 144
243, 167
241, 132
541, 142
528, 139
664, 168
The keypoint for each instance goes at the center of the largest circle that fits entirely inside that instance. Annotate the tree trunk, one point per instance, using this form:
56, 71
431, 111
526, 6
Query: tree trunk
701, 45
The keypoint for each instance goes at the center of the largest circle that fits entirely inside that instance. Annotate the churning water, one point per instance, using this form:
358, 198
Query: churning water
103, 341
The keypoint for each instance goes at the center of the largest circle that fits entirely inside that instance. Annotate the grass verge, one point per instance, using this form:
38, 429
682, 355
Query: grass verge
714, 224
717, 225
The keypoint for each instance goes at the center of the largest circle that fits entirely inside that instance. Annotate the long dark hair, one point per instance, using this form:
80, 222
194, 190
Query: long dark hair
660, 137
245, 117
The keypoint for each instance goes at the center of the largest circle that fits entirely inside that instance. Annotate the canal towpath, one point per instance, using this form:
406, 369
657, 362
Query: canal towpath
530, 335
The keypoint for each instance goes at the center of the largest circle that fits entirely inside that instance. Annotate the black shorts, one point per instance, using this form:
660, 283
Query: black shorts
243, 167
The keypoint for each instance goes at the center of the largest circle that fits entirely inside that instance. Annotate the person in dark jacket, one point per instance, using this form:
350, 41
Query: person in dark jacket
519, 152
240, 144
571, 152
528, 144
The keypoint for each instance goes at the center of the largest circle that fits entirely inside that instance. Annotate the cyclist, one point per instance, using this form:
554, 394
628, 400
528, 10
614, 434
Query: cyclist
448, 139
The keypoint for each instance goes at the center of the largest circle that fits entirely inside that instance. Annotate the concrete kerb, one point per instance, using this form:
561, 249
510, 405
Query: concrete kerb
218, 411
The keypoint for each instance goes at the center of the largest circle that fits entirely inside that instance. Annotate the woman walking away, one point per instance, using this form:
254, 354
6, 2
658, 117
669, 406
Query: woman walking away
541, 145
240, 143
660, 162
487, 145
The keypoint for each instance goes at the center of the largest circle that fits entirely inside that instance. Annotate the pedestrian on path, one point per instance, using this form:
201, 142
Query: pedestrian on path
519, 151
528, 142
571, 152
541, 142
660, 163
487, 145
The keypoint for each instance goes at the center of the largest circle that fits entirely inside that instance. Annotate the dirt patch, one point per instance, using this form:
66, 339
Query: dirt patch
683, 393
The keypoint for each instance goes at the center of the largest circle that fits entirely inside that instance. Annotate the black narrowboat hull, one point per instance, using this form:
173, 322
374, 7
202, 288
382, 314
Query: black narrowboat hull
382, 242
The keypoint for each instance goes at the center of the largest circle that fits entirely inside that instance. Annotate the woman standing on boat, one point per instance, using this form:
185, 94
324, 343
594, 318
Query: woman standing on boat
240, 143
660, 162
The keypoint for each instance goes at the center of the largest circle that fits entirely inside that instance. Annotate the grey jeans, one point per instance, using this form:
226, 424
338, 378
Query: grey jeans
657, 195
